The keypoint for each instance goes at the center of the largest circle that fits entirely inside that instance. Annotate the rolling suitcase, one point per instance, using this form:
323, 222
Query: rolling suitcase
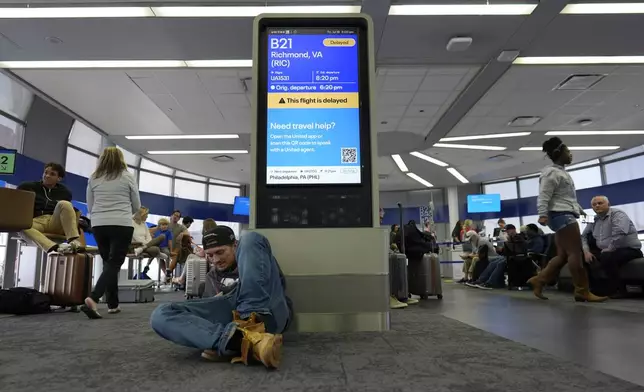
398, 282
195, 275
425, 277
68, 278
136, 291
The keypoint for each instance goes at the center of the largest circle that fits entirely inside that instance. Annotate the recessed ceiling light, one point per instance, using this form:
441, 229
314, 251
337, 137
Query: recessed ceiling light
197, 152
461, 9
490, 136
75, 12
576, 148
420, 179
126, 64
604, 8
458, 175
592, 133
400, 163
563, 60
470, 147
182, 137
428, 158
250, 12
524, 121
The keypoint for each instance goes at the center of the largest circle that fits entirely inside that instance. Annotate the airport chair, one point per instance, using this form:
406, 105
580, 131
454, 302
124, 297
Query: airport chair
16, 209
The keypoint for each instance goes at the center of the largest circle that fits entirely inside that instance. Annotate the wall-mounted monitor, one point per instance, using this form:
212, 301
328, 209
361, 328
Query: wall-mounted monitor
483, 203
241, 206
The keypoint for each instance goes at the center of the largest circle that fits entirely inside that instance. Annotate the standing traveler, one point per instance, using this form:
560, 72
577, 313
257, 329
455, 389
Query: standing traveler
112, 198
558, 208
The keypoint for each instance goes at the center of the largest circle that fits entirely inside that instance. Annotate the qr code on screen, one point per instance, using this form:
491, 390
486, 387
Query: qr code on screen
349, 155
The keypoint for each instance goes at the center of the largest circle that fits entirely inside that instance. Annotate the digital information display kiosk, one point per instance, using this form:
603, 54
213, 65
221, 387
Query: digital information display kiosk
314, 189
313, 161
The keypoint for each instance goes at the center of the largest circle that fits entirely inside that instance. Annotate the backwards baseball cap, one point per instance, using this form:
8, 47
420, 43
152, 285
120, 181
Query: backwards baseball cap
218, 236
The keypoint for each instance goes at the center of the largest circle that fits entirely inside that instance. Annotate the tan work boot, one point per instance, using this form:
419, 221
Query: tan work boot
265, 347
537, 287
582, 293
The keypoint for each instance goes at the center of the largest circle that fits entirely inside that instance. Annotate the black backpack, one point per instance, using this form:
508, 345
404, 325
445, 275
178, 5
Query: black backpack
22, 300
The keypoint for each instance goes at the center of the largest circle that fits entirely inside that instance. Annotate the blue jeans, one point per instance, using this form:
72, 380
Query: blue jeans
207, 323
558, 220
493, 273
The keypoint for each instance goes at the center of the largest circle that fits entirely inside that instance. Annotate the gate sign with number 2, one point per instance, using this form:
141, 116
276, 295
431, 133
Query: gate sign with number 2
313, 108
7, 161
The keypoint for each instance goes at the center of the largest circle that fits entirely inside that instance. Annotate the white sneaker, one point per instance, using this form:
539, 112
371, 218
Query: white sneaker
412, 301
65, 249
395, 304
138, 251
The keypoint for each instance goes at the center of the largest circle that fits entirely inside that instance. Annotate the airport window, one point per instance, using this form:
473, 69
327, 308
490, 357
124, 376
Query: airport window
195, 231
189, 190
576, 166
222, 194
11, 134
190, 176
624, 154
586, 178
222, 182
14, 99
155, 167
80, 163
535, 219
529, 187
507, 190
85, 138
155, 183
132, 170
625, 170
130, 159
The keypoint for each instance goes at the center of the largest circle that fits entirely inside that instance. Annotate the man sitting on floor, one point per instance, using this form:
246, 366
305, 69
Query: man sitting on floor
493, 276
53, 211
611, 240
248, 318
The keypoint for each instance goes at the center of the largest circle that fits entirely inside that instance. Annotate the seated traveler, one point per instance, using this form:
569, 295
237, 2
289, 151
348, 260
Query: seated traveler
53, 211
535, 240
611, 240
479, 245
494, 275
248, 318
142, 241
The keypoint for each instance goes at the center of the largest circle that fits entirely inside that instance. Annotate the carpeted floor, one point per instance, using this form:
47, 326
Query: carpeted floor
424, 352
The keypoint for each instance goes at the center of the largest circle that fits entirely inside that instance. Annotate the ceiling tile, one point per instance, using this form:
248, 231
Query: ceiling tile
422, 111
401, 83
423, 98
412, 123
388, 124
404, 71
394, 98
231, 100
219, 85
384, 111
440, 82
150, 85
592, 98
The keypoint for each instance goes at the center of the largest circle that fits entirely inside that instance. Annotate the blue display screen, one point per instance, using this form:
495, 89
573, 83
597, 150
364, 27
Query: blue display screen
241, 206
313, 107
483, 203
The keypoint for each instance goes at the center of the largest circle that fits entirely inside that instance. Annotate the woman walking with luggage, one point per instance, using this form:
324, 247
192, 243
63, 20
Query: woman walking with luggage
558, 209
112, 198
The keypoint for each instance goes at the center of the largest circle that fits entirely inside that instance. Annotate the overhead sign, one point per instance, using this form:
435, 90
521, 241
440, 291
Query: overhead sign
313, 106
483, 203
7, 161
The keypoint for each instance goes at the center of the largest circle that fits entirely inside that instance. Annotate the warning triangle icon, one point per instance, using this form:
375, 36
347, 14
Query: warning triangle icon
282, 100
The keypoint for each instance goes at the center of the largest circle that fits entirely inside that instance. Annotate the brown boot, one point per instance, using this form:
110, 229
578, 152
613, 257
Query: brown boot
582, 293
537, 287
265, 347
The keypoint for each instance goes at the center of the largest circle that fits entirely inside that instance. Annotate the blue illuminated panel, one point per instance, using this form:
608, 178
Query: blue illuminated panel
483, 203
313, 107
241, 206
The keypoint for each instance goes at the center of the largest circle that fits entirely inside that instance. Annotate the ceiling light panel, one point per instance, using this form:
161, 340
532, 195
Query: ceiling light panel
420, 180
461, 9
400, 163
576, 148
524, 121
197, 152
75, 12
470, 147
429, 159
250, 12
604, 8
565, 60
182, 137
458, 175
480, 137
593, 133
126, 64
